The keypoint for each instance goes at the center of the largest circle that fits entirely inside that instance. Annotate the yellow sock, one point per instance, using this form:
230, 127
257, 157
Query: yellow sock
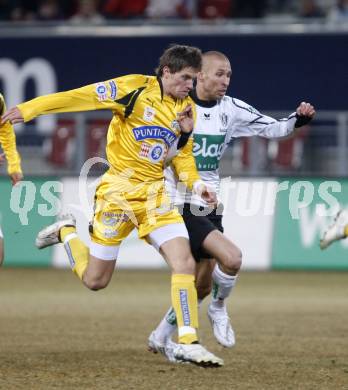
77, 251
184, 301
346, 230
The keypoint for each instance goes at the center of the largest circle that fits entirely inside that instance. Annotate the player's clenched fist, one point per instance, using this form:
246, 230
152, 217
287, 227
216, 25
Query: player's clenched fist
185, 119
304, 113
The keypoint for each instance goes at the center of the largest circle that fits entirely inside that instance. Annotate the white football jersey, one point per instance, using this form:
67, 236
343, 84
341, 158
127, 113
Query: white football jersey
217, 124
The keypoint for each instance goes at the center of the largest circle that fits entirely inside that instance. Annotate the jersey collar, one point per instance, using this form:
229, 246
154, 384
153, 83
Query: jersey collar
202, 103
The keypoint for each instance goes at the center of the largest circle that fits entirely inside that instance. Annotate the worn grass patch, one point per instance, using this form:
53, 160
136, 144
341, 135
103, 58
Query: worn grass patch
291, 332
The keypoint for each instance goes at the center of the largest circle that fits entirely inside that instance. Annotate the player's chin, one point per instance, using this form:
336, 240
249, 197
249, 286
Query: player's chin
220, 94
183, 94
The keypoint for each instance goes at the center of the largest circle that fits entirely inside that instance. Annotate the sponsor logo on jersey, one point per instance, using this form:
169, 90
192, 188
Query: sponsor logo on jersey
224, 119
206, 116
113, 89
154, 132
149, 114
154, 153
157, 153
207, 150
102, 91
144, 149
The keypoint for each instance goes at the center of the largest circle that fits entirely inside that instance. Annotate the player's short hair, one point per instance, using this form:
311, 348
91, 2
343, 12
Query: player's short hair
215, 54
178, 57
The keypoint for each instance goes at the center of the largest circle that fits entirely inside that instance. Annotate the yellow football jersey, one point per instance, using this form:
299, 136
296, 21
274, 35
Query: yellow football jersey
143, 127
8, 143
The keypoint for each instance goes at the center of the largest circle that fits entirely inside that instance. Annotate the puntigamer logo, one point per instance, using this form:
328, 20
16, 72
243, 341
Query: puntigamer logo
154, 132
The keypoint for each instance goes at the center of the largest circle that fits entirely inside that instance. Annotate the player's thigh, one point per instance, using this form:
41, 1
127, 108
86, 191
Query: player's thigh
198, 227
176, 251
170, 237
109, 227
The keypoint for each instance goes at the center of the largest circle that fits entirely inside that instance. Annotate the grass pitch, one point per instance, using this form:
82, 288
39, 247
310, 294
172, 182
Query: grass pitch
292, 333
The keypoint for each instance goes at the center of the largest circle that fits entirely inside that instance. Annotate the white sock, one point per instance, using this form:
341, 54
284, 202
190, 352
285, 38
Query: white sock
168, 325
222, 287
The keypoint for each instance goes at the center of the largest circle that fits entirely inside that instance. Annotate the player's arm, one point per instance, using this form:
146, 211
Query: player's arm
251, 122
103, 95
8, 143
185, 167
184, 161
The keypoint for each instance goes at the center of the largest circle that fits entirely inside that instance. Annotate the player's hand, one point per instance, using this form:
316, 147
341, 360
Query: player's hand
206, 193
16, 177
2, 158
304, 113
13, 115
185, 119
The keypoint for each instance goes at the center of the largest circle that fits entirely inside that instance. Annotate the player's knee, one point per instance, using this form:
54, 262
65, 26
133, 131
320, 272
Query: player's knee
96, 284
232, 260
185, 264
190, 264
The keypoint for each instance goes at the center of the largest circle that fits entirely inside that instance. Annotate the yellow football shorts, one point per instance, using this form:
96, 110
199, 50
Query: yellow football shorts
121, 205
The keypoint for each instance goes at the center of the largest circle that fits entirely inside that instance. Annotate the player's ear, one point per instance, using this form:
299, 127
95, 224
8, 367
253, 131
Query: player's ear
166, 71
200, 76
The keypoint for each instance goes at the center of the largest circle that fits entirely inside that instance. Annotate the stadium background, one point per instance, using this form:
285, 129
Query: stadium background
290, 326
274, 68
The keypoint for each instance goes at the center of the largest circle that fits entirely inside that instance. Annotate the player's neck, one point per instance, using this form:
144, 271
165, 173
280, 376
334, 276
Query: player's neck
202, 94
165, 89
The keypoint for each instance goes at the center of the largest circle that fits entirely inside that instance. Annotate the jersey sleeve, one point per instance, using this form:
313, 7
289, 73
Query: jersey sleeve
185, 165
249, 122
115, 94
8, 143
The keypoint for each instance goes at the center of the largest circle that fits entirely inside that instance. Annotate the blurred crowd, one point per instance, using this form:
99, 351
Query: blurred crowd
101, 11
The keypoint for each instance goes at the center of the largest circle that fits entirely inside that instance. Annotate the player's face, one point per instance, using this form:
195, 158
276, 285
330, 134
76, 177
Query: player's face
178, 84
215, 78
